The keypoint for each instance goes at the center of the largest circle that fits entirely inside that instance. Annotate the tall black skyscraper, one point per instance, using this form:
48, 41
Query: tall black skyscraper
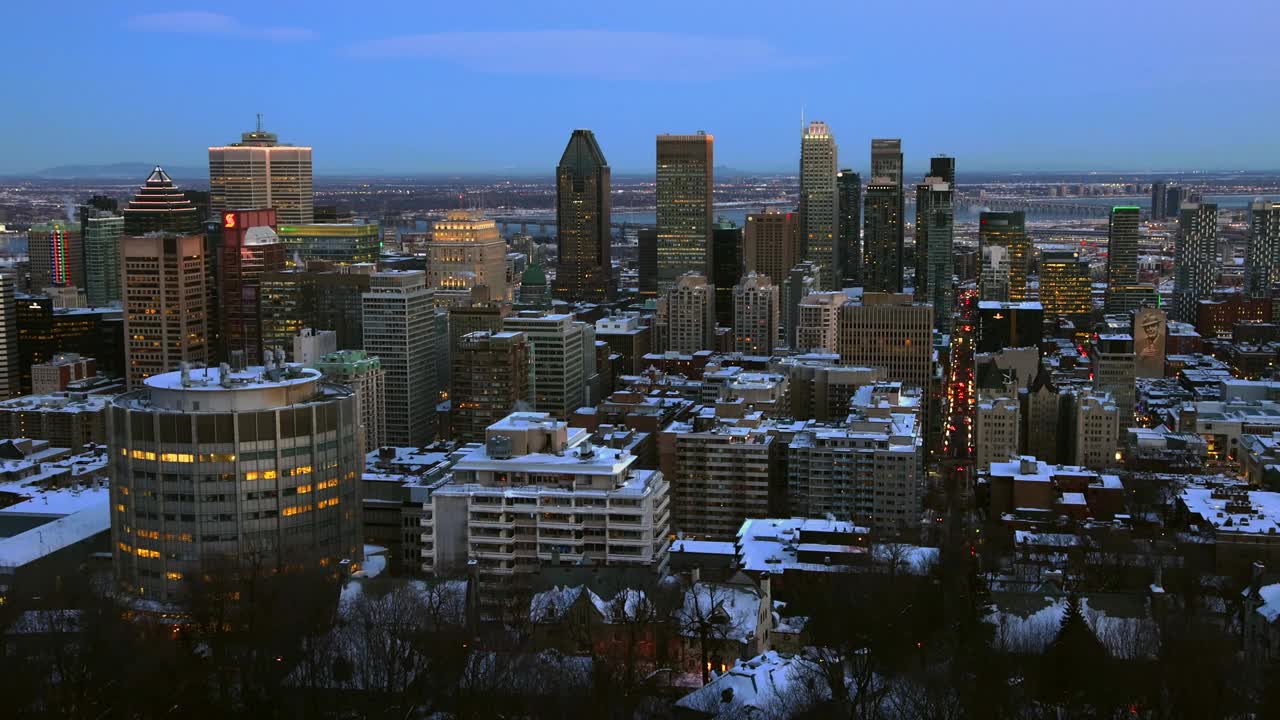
1174, 196
849, 195
158, 206
582, 219
726, 267
1158, 190
883, 233
882, 238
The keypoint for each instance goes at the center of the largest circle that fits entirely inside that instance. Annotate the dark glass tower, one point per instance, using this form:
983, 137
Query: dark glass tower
849, 194
158, 206
1158, 198
944, 167
726, 267
882, 238
582, 220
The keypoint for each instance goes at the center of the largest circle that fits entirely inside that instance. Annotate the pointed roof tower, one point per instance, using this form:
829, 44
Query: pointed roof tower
159, 206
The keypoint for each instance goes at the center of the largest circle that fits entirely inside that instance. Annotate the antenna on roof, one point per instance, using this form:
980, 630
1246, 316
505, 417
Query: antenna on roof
259, 122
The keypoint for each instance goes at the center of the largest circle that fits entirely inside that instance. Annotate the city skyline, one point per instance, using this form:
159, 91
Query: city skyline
537, 91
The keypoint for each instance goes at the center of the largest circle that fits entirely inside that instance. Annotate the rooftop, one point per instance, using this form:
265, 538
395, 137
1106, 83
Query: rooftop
251, 378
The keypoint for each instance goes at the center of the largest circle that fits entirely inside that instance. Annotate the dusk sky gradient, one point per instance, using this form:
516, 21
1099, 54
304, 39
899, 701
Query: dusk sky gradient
456, 87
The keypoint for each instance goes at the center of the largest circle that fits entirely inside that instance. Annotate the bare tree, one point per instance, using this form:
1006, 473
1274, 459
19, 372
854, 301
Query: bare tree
704, 618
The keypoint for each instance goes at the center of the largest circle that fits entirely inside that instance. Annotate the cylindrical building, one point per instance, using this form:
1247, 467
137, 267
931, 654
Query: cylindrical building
259, 466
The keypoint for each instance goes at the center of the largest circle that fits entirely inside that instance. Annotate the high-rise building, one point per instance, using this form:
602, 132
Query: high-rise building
399, 328
362, 373
867, 467
726, 268
1114, 370
799, 282
691, 314
10, 367
337, 243
1008, 230
647, 262
250, 249
944, 168
322, 298
1066, 290
1195, 258
684, 190
293, 505
56, 251
771, 244
159, 206
720, 474
101, 232
44, 330
993, 275
583, 206
818, 321
1009, 325
1042, 409
886, 160
1158, 190
995, 430
890, 332
882, 237
1262, 259
1122, 251
849, 192
165, 321
489, 380
1097, 430
466, 252
755, 315
820, 204
935, 228
593, 507
259, 172
310, 344
1173, 199
557, 360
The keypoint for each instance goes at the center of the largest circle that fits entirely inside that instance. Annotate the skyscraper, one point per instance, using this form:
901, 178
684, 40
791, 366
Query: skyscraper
882, 239
1007, 230
820, 205
159, 206
102, 231
886, 160
165, 321
691, 314
583, 206
849, 191
399, 328
891, 332
366, 378
1122, 247
771, 244
557, 359
727, 267
466, 252
56, 251
1158, 190
1173, 199
1065, 287
10, 367
259, 172
250, 248
1262, 262
1195, 258
684, 195
934, 272
755, 315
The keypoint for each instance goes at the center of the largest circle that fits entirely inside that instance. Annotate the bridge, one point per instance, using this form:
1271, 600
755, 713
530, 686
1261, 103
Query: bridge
1037, 206
524, 222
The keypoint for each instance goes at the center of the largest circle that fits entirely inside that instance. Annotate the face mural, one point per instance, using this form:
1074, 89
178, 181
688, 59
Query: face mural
1148, 342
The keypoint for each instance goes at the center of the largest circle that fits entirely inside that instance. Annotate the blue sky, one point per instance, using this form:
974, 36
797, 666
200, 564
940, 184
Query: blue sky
497, 86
